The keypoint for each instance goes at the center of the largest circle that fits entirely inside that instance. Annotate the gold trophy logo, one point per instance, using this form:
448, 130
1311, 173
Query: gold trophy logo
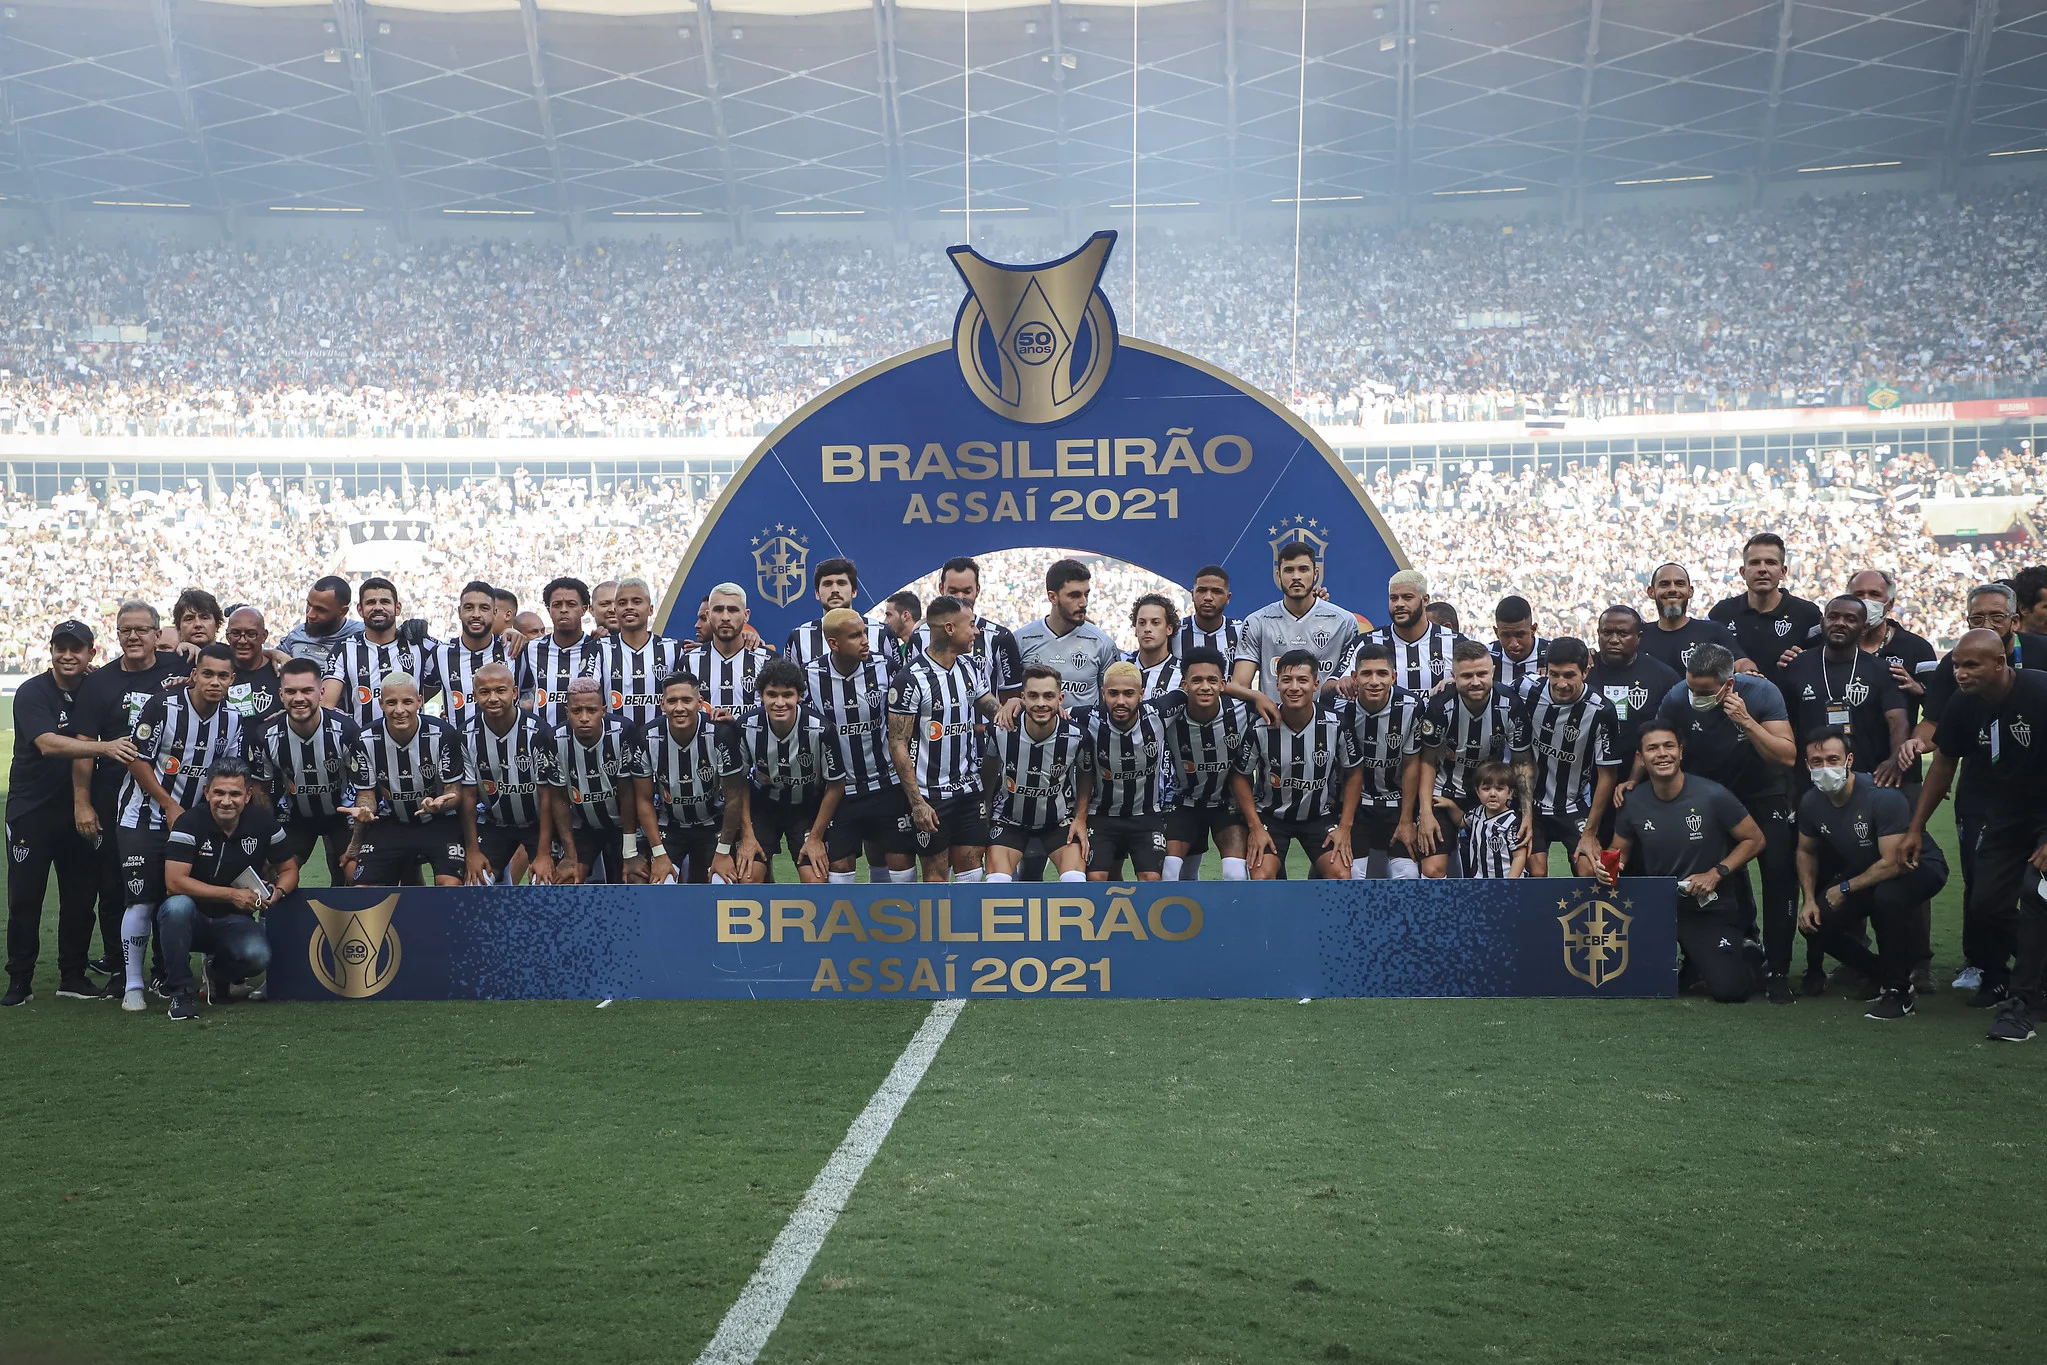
354, 953
1034, 342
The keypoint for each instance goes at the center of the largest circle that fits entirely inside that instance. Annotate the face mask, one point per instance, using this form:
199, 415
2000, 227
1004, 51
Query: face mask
1873, 611
1709, 702
1829, 780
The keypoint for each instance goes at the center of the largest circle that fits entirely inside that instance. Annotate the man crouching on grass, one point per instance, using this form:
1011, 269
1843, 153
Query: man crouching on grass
224, 861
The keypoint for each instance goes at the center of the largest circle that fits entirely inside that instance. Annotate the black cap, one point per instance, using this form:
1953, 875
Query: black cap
72, 630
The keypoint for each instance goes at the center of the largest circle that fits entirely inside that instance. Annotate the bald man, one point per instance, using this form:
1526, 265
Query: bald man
415, 794
255, 691
1674, 633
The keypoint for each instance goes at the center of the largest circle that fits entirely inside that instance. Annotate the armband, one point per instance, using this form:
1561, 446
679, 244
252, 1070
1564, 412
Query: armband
657, 851
631, 846
724, 849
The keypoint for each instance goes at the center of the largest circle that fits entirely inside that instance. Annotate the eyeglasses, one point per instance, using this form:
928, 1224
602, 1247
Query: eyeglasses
135, 630
1986, 618
244, 634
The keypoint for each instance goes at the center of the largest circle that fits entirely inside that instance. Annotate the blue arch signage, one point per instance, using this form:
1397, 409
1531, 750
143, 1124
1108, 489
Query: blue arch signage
1036, 425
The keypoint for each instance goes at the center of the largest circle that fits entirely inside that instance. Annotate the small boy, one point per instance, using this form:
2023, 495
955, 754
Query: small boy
1489, 842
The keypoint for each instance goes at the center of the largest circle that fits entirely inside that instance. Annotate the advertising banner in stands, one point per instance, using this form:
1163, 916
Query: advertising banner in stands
1048, 940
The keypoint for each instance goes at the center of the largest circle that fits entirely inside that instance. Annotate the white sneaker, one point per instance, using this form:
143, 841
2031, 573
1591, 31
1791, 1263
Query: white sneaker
133, 1002
1969, 979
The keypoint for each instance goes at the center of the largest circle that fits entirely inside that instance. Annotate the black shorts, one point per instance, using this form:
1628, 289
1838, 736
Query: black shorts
1558, 829
1140, 838
1020, 837
602, 854
962, 823
776, 824
1192, 825
691, 848
502, 842
877, 820
1372, 828
391, 850
141, 864
1309, 834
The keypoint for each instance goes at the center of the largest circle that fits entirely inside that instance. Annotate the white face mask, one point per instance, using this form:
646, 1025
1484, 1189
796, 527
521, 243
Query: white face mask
1874, 611
1709, 702
1829, 780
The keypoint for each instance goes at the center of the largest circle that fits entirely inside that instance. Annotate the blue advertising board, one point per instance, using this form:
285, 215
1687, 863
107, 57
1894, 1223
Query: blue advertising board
1051, 940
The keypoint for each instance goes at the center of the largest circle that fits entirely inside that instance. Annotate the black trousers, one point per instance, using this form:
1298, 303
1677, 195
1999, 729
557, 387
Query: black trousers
2005, 914
1892, 909
36, 843
1777, 912
1711, 937
113, 896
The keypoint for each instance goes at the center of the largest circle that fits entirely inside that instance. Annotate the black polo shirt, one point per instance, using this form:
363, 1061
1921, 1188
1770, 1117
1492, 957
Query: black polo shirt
1716, 748
2002, 749
1672, 647
2025, 651
38, 781
110, 699
1636, 689
1848, 833
1854, 695
217, 858
1688, 833
1765, 635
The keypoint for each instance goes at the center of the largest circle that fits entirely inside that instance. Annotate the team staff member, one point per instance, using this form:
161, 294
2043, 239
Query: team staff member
1421, 646
206, 854
1210, 627
1518, 652
1682, 825
1849, 836
1841, 684
1629, 677
254, 693
415, 795
1769, 623
1046, 782
1677, 632
357, 668
508, 746
595, 778
1473, 722
1299, 620
1063, 639
782, 773
684, 782
1206, 729
326, 625
1307, 778
307, 754
848, 685
838, 583
478, 645
45, 821
937, 701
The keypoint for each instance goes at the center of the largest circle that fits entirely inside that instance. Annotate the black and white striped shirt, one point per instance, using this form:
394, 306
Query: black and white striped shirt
402, 774
945, 748
1509, 674
1129, 764
455, 665
507, 768
597, 776
551, 666
995, 652
182, 746
310, 776
1040, 776
361, 668
1191, 636
1298, 774
1159, 678
807, 643
1204, 751
855, 710
632, 677
790, 770
726, 683
1387, 740
1417, 666
1463, 738
1570, 742
1486, 844
689, 788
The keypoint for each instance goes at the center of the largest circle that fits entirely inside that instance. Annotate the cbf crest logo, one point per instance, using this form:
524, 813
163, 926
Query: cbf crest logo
1035, 342
1595, 936
354, 953
781, 559
1299, 529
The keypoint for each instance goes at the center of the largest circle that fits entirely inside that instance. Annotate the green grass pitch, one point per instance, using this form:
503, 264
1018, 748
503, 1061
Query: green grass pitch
1253, 1181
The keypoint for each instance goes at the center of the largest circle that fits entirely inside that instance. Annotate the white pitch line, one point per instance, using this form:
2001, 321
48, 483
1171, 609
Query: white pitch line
753, 1317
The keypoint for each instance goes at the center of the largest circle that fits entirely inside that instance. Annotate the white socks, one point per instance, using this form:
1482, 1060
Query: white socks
1000, 877
1236, 870
1171, 871
1075, 876
973, 876
908, 874
1403, 869
842, 878
1360, 867
135, 943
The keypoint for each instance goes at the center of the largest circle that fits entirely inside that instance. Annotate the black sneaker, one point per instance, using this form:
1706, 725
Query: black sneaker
2013, 1024
1989, 995
104, 966
158, 988
1891, 1004
184, 1005
18, 993
1777, 989
1922, 978
1815, 982
78, 988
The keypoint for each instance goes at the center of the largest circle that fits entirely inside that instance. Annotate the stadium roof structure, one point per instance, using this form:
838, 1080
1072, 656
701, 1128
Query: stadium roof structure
734, 109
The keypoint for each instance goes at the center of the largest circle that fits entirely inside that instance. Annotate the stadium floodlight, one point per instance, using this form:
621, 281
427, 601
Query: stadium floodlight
1503, 189
1848, 166
2020, 151
1663, 180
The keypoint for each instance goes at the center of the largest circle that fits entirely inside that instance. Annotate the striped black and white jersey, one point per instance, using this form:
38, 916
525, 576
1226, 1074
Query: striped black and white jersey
551, 666
404, 773
807, 644
790, 770
309, 776
943, 705
1387, 739
855, 710
507, 768
455, 664
1204, 751
1224, 642
689, 786
1040, 777
597, 777
361, 668
1130, 765
1486, 844
1463, 738
182, 746
1571, 741
995, 652
1159, 678
726, 683
1511, 675
632, 677
1417, 666
1298, 774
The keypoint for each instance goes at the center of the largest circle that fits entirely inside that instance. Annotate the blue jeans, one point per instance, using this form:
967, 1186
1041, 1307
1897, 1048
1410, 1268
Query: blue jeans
237, 944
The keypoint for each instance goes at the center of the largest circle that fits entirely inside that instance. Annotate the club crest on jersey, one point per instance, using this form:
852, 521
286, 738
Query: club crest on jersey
19, 852
1783, 627
250, 845
781, 557
1035, 342
1694, 822
1857, 692
1571, 734
135, 886
1638, 696
1862, 830
1595, 932
2022, 731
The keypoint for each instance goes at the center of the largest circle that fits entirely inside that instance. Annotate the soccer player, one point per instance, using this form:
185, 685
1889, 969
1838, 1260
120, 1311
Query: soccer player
724, 665
178, 737
1841, 684
327, 622
1047, 778
837, 584
1421, 648
995, 650
1681, 825
505, 613
1472, 722
415, 794
1132, 754
1574, 734
306, 754
1210, 627
1205, 729
1064, 639
556, 659
1297, 763
1849, 834
1490, 841
1677, 632
508, 747
1298, 620
1155, 620
1737, 734
901, 615
357, 668
937, 701
590, 767
685, 783
45, 821
782, 774
529, 625
604, 608
1518, 652
457, 661
848, 685
635, 658
253, 693
1442, 614
1770, 623
208, 853
1385, 724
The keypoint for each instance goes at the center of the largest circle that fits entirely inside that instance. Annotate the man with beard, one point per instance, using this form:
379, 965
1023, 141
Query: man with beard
1573, 734
306, 753
1676, 633
635, 658
1131, 748
1299, 620
1770, 623
1909, 658
254, 693
209, 849
1842, 685
357, 667
1473, 722
1064, 640
849, 687
995, 650
597, 774
555, 660
837, 583
1297, 777
604, 608
1210, 627
479, 644
1047, 776
326, 625
937, 704
507, 747
415, 794
1421, 648
723, 664
2030, 585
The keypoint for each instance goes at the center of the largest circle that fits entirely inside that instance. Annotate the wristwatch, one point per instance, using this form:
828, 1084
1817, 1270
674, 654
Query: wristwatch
1720, 871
